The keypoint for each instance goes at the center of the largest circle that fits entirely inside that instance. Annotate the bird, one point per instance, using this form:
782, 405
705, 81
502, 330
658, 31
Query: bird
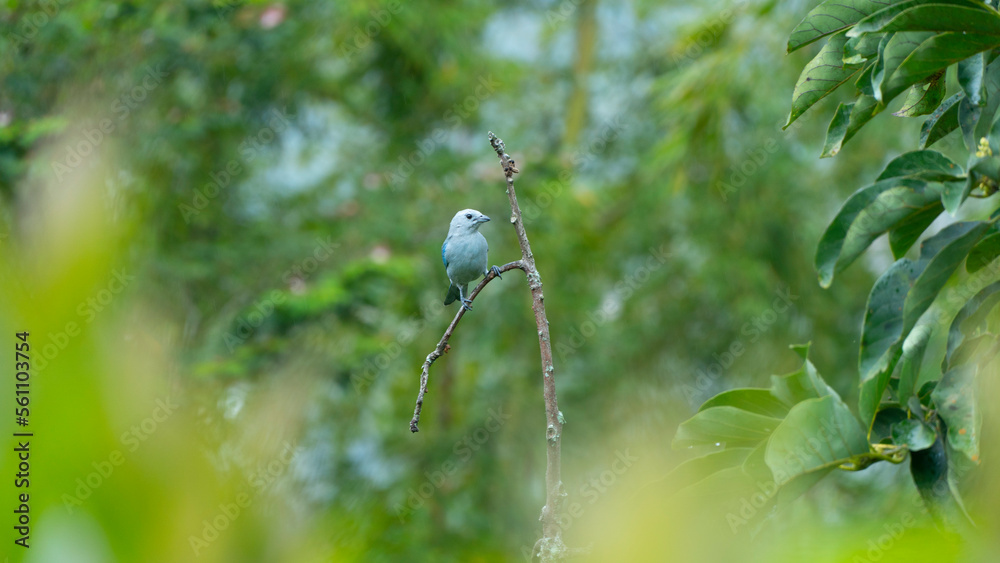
464, 255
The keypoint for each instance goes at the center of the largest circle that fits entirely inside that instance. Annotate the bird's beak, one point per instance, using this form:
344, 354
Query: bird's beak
483, 218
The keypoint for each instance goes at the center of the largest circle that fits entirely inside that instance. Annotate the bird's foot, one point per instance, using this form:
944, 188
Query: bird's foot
496, 271
467, 304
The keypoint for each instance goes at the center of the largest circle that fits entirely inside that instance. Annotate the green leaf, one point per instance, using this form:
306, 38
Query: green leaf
859, 49
925, 164
817, 434
729, 425
971, 317
878, 68
822, 75
929, 469
983, 253
755, 466
991, 83
862, 111
915, 434
864, 81
870, 397
895, 52
942, 121
837, 130
694, 470
830, 17
954, 193
873, 210
923, 98
968, 119
882, 427
972, 350
883, 324
970, 77
924, 395
907, 231
981, 168
942, 254
913, 356
944, 15
901, 296
932, 55
759, 401
955, 398
804, 383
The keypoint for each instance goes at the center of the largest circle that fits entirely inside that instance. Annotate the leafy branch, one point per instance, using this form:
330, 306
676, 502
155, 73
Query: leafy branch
796, 431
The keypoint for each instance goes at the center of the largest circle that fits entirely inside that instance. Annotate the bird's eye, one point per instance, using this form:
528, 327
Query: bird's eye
468, 215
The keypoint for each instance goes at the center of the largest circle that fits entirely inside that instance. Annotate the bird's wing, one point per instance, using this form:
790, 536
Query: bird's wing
443, 247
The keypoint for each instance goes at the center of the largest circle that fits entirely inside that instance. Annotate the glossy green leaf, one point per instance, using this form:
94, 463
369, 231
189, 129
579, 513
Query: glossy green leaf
973, 350
864, 81
923, 98
817, 434
859, 49
929, 469
968, 119
933, 54
900, 297
942, 254
907, 231
991, 83
955, 398
724, 425
884, 419
720, 491
871, 211
895, 53
913, 356
759, 401
983, 253
970, 77
943, 15
971, 317
954, 193
804, 383
924, 394
924, 164
830, 17
822, 75
837, 130
870, 397
982, 168
694, 470
942, 121
883, 324
915, 434
755, 466
862, 111
878, 68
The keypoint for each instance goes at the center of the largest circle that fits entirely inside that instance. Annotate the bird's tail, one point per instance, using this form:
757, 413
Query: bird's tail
452, 295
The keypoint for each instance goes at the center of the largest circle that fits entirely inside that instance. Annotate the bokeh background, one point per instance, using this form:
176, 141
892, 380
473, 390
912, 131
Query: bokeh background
221, 223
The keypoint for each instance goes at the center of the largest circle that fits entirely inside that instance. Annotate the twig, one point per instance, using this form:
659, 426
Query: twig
442, 345
550, 547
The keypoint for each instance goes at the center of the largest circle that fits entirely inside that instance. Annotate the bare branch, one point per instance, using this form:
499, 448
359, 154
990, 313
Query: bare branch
550, 546
442, 345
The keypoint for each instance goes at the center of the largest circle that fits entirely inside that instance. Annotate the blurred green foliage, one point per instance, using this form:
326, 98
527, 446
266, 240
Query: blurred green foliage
278, 178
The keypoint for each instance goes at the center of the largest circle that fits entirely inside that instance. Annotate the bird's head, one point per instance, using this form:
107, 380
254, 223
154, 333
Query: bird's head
467, 221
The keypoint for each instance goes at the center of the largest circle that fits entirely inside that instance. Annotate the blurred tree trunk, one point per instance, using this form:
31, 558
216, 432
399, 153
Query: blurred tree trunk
586, 38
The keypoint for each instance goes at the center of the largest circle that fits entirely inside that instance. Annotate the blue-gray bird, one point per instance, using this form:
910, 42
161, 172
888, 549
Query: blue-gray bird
464, 254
